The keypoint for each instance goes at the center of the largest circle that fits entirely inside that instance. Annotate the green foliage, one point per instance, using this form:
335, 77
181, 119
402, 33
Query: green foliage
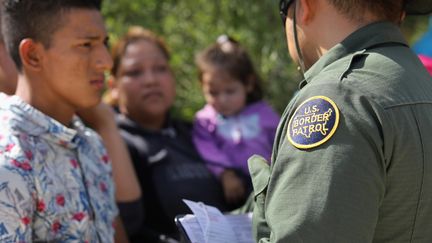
189, 26
414, 27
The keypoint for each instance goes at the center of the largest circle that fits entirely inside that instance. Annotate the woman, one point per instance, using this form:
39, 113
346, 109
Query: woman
165, 159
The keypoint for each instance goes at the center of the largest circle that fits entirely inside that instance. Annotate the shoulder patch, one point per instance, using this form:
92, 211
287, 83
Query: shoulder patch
313, 123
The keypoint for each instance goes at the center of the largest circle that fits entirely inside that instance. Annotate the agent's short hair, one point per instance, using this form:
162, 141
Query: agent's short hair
36, 19
389, 10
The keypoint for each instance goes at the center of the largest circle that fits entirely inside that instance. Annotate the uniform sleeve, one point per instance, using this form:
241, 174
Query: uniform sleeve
207, 147
330, 192
16, 204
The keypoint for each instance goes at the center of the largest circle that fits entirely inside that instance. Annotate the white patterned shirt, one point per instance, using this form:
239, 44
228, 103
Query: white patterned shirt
55, 182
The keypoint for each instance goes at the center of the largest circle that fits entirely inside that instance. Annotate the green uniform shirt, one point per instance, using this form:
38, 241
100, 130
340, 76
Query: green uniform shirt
352, 160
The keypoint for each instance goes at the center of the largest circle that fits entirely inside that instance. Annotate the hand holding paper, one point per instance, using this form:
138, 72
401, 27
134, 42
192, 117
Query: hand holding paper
209, 225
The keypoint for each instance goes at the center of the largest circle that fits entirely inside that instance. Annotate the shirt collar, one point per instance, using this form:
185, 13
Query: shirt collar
35, 123
167, 130
364, 38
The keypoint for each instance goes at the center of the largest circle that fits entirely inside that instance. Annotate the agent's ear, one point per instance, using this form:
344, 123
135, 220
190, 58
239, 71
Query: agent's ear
402, 18
30, 53
307, 10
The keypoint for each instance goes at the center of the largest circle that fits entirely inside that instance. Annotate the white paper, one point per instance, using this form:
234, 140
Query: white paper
242, 226
193, 229
209, 225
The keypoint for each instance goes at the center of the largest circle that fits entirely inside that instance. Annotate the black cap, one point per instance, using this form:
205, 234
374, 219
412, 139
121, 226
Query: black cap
418, 7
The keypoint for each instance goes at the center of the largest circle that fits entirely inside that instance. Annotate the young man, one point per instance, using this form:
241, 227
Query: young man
352, 160
55, 180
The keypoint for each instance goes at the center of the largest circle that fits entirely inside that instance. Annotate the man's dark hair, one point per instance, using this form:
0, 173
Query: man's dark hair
35, 19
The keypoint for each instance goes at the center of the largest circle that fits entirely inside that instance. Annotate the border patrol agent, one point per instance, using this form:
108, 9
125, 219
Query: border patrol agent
352, 159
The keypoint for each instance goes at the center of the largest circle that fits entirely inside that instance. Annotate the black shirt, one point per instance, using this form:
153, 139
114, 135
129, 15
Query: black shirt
169, 169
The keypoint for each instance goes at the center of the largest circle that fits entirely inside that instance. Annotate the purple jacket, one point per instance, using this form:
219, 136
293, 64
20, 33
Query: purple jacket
228, 142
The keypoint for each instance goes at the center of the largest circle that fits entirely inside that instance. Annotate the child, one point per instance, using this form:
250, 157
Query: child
235, 123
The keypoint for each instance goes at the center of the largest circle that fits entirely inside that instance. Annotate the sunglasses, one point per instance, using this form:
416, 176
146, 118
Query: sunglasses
283, 9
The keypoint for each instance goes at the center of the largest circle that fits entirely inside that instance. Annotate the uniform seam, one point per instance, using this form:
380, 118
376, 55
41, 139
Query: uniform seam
422, 178
348, 69
407, 104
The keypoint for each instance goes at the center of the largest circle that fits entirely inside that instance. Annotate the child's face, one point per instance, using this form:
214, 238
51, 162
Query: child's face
227, 95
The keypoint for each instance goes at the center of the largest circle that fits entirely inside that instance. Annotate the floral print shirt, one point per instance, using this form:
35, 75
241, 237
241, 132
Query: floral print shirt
55, 182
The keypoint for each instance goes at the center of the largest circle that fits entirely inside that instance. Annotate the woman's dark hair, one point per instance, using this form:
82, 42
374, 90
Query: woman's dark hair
135, 34
227, 54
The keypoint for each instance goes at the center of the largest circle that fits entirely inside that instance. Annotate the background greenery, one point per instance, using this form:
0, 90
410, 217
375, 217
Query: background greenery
189, 26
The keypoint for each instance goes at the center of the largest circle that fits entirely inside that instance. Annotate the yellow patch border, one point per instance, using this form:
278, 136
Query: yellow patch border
325, 139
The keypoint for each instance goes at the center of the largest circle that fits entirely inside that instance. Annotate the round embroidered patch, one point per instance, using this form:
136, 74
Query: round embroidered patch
313, 123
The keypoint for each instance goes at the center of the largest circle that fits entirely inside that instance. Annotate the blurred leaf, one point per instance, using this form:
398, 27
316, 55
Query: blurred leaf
189, 26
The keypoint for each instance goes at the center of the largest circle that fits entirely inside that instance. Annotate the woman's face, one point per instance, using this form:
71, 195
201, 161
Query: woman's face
145, 82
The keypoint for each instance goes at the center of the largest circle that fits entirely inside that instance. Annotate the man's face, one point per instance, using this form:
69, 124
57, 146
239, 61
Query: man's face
73, 65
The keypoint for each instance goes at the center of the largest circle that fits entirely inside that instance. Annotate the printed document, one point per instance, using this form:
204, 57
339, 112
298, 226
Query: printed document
209, 225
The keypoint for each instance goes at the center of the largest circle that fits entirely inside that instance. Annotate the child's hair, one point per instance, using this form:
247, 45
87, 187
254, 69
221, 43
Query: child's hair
37, 20
135, 34
227, 54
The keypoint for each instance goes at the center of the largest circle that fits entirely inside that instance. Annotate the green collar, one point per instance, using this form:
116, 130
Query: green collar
362, 39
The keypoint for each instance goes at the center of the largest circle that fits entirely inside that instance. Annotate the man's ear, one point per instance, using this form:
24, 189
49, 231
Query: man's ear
30, 54
307, 10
